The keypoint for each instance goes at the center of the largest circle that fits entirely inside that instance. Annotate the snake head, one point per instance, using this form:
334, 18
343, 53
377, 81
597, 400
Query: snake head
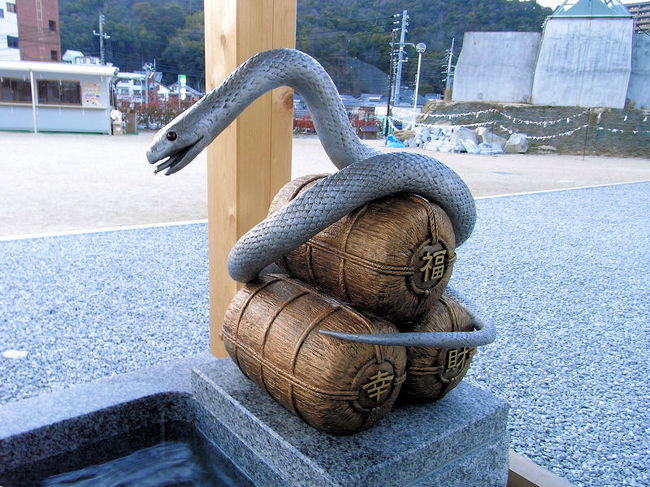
177, 143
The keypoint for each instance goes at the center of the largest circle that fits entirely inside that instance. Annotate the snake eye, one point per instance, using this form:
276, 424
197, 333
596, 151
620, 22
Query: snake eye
171, 136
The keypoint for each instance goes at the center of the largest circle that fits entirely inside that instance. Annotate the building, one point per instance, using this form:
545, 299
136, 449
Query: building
158, 91
57, 97
129, 89
70, 55
90, 60
77, 57
187, 93
641, 12
38, 30
587, 55
9, 50
29, 30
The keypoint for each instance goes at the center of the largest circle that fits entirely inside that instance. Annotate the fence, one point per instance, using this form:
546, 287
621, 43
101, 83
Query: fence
572, 130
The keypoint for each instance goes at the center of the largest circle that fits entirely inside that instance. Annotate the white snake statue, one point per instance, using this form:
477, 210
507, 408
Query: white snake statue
364, 174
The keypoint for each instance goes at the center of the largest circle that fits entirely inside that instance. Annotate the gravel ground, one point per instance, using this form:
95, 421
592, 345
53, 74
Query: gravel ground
564, 275
97, 304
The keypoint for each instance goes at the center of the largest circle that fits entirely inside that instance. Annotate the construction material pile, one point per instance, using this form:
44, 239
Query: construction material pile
451, 138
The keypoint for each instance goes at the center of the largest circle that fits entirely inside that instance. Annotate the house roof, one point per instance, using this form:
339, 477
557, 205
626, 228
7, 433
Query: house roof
58, 68
591, 8
70, 54
126, 76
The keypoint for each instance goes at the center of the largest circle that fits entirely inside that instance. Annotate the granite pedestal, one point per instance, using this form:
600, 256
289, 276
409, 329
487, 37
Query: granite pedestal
459, 441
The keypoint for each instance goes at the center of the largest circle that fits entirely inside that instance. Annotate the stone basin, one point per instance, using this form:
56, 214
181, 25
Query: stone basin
459, 440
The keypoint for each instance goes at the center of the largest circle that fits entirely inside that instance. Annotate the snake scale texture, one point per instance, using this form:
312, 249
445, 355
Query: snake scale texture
364, 174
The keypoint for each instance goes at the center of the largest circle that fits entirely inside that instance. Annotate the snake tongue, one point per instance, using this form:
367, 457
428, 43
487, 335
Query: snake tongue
179, 159
164, 165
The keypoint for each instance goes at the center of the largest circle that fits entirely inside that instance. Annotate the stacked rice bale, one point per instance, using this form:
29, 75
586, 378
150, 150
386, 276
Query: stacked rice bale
381, 269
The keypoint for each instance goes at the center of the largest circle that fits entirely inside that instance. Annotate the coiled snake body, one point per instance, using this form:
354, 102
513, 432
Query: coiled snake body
364, 174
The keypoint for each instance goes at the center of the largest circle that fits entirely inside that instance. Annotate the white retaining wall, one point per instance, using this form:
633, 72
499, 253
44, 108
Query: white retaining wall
584, 62
496, 66
638, 91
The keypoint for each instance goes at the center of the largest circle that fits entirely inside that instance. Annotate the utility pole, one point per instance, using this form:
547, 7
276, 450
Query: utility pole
148, 69
449, 71
101, 36
390, 80
420, 48
400, 56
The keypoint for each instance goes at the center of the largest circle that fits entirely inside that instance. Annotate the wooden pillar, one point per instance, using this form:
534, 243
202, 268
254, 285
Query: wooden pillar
251, 159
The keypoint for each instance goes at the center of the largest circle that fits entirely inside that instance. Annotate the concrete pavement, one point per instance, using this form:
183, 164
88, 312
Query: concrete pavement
53, 183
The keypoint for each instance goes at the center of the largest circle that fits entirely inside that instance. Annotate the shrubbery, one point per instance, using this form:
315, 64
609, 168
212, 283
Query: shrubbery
157, 114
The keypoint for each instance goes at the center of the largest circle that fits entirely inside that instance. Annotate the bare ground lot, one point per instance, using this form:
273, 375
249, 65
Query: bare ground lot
71, 182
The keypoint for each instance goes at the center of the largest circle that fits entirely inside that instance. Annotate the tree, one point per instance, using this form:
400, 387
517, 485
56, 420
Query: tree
336, 33
186, 50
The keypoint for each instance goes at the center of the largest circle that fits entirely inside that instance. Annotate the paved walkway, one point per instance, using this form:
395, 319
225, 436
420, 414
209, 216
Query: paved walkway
71, 182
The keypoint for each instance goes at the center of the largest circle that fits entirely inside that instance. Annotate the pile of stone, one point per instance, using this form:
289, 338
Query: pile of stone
461, 139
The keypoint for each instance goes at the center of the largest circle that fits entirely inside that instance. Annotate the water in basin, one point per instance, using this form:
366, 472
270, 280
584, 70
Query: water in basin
168, 454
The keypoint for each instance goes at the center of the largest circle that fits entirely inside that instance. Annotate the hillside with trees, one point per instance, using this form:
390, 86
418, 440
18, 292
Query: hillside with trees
341, 35
140, 31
